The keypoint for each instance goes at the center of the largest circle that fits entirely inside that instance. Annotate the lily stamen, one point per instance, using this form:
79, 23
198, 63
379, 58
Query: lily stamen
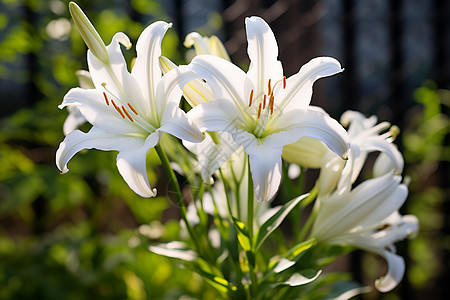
268, 87
250, 100
259, 111
126, 113
106, 98
272, 98
264, 101
132, 109
117, 108
284, 82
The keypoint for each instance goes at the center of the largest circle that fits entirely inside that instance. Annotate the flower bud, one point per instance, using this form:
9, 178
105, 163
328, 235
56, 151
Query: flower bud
88, 32
217, 48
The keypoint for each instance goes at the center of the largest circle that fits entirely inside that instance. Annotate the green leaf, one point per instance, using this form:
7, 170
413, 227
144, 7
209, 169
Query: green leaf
275, 221
219, 283
242, 235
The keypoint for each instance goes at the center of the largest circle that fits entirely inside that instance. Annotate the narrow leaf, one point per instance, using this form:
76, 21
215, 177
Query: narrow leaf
275, 221
242, 235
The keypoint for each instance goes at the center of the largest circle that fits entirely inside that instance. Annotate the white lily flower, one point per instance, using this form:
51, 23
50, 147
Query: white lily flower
129, 111
367, 218
365, 137
216, 148
261, 109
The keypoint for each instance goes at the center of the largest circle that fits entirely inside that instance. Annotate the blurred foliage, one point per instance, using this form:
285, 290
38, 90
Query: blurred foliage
82, 235
426, 151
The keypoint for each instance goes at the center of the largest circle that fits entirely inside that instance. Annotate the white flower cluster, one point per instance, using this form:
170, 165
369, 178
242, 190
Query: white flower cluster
241, 124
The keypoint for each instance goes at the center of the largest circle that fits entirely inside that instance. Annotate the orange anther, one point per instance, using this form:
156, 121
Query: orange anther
259, 111
128, 115
132, 109
284, 82
269, 88
106, 98
117, 108
251, 98
264, 102
271, 103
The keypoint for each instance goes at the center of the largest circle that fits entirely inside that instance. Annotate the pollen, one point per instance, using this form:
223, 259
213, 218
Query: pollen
132, 109
106, 98
117, 108
250, 100
269, 88
284, 82
127, 114
264, 102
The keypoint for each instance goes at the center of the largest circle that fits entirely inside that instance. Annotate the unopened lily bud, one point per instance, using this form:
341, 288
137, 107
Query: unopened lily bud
217, 48
166, 64
88, 32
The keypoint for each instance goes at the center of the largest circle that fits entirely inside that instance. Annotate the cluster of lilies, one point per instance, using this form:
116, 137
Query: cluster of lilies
249, 122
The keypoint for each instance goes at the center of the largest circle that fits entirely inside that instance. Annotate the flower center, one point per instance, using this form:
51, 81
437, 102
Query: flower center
264, 106
133, 117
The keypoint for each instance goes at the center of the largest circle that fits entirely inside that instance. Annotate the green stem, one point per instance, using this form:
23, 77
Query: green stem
250, 205
250, 215
174, 183
226, 187
312, 217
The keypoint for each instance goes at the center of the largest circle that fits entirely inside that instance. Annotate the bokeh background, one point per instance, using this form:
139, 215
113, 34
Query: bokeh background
84, 235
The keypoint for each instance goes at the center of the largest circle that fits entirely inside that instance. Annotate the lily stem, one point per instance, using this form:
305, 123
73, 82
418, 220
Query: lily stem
250, 205
174, 183
312, 217
250, 213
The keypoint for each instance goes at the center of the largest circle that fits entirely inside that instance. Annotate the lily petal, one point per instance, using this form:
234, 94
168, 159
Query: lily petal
217, 48
92, 106
298, 89
307, 152
113, 77
73, 120
263, 53
176, 123
211, 155
95, 138
195, 91
396, 269
379, 143
265, 162
200, 43
132, 166
227, 81
170, 87
315, 124
216, 116
146, 67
